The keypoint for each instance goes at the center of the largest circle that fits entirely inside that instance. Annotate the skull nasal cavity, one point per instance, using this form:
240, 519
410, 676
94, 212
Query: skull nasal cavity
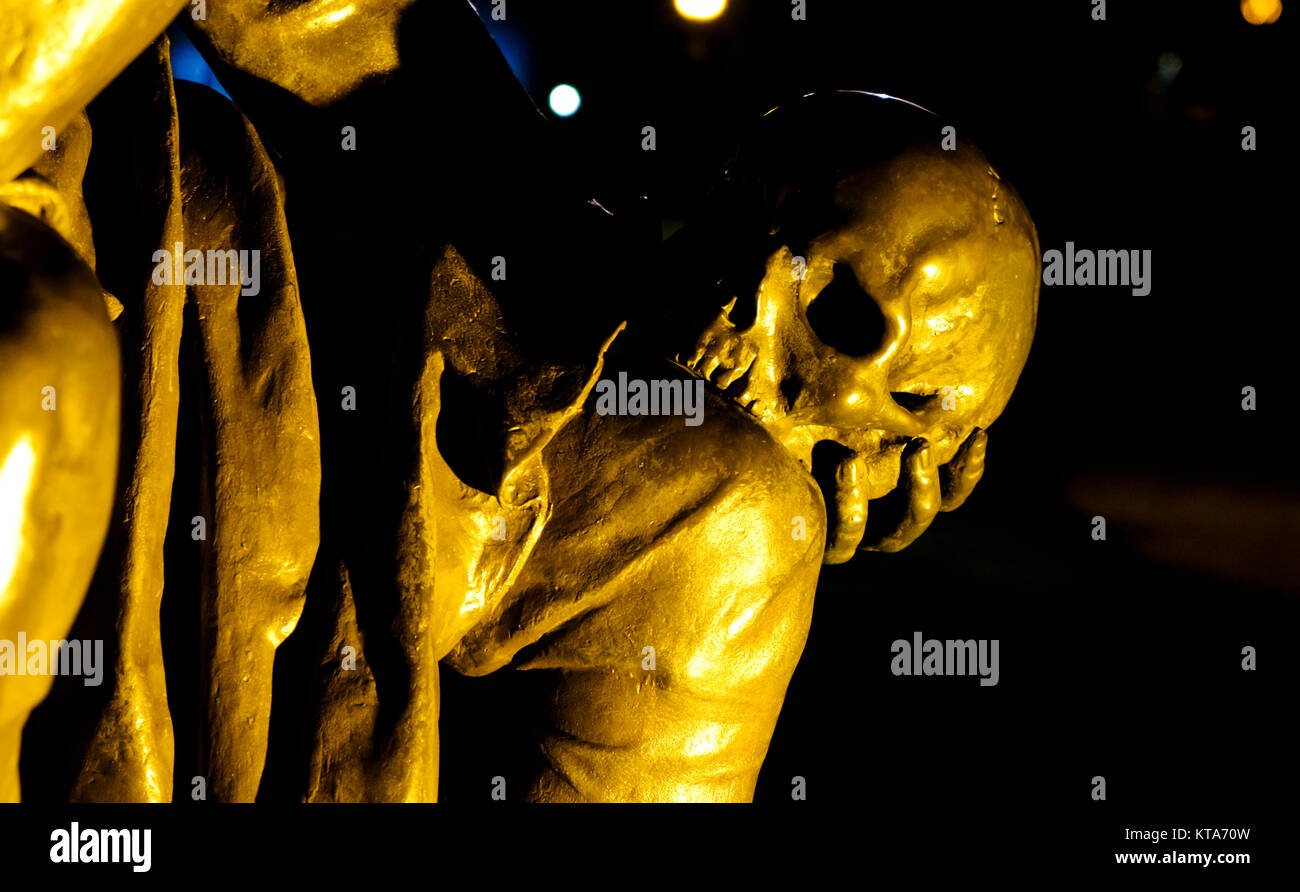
845, 317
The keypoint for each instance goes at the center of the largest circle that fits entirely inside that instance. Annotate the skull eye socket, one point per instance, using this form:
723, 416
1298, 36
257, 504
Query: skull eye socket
845, 317
746, 309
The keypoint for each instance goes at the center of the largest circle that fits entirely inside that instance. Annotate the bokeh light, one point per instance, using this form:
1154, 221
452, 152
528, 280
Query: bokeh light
565, 100
1261, 12
700, 10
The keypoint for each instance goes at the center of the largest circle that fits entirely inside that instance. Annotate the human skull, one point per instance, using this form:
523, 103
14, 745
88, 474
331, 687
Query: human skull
907, 314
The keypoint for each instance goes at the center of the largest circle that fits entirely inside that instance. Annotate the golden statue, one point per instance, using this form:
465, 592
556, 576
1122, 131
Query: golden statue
352, 422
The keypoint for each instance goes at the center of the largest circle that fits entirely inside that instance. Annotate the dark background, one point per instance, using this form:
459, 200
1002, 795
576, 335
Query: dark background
1121, 657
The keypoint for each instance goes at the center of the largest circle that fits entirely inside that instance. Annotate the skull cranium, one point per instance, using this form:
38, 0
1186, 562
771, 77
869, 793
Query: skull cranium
899, 305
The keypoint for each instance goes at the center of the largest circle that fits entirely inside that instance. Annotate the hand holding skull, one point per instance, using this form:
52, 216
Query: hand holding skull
899, 329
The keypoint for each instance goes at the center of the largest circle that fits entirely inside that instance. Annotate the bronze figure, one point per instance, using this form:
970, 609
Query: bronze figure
444, 465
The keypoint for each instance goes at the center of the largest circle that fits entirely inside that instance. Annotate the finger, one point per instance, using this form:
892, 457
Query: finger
710, 366
921, 480
850, 510
732, 375
698, 353
709, 338
965, 470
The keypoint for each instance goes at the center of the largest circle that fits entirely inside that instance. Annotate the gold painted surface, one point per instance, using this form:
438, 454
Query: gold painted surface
458, 549
261, 528
51, 189
950, 256
261, 435
644, 567
699, 565
58, 451
320, 50
130, 756
56, 55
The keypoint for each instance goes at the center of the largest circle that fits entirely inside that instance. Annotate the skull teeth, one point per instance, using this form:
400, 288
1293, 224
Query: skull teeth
722, 373
723, 358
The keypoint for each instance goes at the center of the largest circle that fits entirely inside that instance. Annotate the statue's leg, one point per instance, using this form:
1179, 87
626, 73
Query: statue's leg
130, 756
261, 435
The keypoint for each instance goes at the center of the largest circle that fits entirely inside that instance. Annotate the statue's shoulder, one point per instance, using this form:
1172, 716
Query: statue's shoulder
689, 528
654, 445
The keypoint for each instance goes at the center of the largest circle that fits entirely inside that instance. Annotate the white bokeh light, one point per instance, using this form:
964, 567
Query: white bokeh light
565, 100
701, 10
